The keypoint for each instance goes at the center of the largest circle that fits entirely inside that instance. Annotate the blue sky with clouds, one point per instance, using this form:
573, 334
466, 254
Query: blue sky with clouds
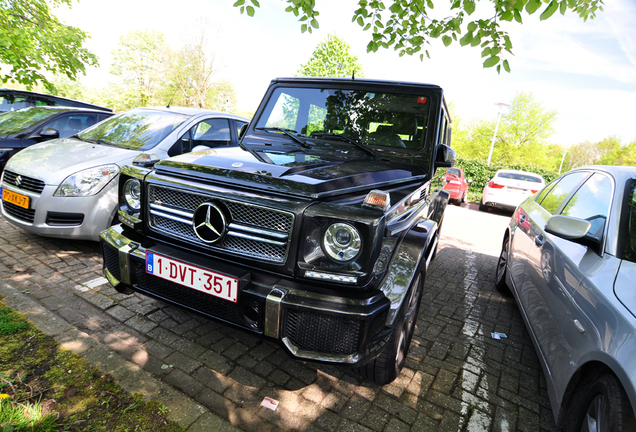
586, 71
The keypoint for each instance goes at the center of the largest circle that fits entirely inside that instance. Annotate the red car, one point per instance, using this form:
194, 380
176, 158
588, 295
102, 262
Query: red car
456, 184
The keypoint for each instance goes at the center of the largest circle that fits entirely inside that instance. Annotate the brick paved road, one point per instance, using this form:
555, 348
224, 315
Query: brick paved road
457, 377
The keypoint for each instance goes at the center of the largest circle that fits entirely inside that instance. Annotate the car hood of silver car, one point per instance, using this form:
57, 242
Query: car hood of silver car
54, 160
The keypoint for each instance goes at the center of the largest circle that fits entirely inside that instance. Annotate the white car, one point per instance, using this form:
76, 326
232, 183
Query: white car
509, 188
68, 187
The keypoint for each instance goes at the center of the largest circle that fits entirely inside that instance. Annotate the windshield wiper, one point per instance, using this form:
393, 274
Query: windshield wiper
346, 138
92, 141
287, 132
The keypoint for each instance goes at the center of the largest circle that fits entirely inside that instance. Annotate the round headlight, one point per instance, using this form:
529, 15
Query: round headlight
342, 242
132, 193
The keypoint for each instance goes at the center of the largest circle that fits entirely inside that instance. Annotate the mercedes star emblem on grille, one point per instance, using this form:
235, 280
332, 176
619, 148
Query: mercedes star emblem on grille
18, 180
209, 222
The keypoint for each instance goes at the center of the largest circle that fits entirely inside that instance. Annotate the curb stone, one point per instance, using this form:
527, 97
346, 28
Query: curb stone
185, 411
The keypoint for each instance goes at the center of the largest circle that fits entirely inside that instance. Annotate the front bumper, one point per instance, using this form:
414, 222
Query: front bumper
81, 218
347, 329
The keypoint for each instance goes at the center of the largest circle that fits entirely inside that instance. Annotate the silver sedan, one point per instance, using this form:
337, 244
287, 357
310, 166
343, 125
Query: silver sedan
68, 187
569, 258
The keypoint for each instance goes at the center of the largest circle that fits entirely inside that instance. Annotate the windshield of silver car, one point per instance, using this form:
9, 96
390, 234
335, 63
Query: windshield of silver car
137, 129
368, 117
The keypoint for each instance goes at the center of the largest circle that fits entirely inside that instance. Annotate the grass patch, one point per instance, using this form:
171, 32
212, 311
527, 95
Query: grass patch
44, 388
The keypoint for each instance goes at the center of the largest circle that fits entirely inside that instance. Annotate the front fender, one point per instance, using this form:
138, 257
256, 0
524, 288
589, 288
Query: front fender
412, 255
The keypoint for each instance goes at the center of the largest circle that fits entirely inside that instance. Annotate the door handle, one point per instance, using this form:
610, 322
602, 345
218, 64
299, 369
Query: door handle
539, 240
522, 218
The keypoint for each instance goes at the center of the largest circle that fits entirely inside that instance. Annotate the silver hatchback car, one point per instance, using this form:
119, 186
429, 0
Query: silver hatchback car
68, 187
569, 258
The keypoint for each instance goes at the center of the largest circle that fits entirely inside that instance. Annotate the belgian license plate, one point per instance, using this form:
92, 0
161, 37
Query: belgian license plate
206, 281
15, 198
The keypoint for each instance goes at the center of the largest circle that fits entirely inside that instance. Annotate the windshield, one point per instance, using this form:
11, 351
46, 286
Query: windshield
13, 122
371, 118
137, 129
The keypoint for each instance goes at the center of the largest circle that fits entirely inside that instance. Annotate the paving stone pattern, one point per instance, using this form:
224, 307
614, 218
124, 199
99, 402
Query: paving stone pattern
457, 377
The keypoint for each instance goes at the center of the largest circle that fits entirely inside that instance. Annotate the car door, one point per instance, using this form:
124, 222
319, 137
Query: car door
558, 270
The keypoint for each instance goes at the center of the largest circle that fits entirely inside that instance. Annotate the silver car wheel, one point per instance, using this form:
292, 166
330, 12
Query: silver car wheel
597, 416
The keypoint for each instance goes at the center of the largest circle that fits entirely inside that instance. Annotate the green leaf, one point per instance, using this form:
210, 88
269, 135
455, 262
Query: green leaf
256, 3
360, 21
250, 11
303, 28
314, 23
532, 6
507, 16
506, 65
491, 61
469, 6
447, 40
238, 3
518, 16
468, 38
367, 27
564, 7
472, 26
549, 11
476, 41
485, 52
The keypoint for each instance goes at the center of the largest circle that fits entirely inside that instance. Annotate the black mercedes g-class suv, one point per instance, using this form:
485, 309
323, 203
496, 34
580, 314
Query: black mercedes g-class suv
317, 231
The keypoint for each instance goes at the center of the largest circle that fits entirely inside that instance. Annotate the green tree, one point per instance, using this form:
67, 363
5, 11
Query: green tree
139, 61
610, 151
409, 26
524, 132
190, 77
33, 42
332, 58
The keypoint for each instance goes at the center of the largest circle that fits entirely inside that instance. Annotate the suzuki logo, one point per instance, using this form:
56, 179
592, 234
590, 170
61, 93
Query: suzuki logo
209, 222
18, 180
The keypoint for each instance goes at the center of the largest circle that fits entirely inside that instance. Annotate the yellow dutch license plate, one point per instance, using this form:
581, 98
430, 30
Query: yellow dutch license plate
15, 198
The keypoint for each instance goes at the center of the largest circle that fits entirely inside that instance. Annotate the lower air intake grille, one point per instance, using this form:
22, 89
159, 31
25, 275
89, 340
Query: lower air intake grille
202, 303
64, 219
111, 261
323, 333
25, 215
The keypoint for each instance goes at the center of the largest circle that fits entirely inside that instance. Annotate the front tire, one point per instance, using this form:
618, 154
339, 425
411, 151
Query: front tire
601, 406
387, 366
502, 267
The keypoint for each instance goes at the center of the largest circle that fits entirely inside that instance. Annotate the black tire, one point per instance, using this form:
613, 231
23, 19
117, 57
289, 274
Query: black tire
501, 269
482, 207
600, 406
388, 365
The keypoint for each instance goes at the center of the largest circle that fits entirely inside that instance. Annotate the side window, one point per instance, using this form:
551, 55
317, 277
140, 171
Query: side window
211, 133
591, 202
443, 131
553, 200
71, 124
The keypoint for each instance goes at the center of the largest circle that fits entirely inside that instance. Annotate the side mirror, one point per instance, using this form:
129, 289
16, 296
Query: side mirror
444, 156
242, 131
145, 160
568, 227
49, 133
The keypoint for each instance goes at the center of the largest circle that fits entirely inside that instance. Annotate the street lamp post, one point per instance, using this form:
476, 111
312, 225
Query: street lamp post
494, 136
562, 159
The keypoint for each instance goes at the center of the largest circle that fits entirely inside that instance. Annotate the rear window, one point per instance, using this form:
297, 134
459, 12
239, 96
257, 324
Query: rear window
520, 176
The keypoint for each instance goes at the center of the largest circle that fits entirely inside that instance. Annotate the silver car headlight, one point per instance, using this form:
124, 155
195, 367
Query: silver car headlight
87, 182
342, 242
132, 194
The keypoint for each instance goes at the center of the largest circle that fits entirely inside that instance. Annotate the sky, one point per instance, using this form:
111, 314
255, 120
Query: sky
585, 71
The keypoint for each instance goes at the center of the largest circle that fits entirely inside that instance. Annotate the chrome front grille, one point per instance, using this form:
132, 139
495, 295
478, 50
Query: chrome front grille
254, 231
23, 182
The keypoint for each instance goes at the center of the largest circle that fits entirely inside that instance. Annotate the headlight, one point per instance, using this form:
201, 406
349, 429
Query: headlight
88, 182
342, 242
132, 194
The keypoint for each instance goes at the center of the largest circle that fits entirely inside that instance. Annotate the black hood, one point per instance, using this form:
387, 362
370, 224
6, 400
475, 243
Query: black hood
298, 172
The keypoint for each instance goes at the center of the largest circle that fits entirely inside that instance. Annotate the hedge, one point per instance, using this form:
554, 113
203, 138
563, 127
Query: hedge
480, 173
